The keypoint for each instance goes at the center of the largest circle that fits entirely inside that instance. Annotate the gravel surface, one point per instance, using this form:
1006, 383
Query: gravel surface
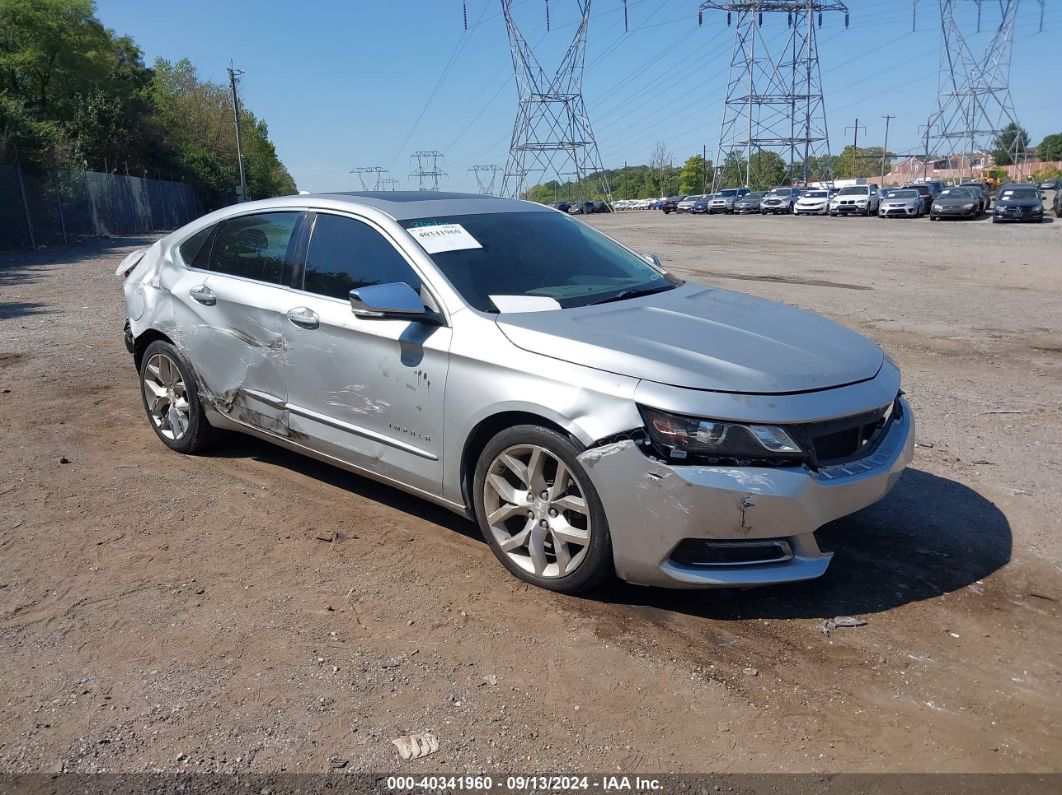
160, 612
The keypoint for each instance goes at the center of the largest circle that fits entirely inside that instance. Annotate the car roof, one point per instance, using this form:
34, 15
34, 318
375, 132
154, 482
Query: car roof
402, 205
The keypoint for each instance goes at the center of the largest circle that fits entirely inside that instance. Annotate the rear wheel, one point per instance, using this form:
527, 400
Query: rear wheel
171, 399
539, 512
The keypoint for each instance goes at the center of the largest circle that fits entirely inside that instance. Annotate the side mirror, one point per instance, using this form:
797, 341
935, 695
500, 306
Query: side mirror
394, 301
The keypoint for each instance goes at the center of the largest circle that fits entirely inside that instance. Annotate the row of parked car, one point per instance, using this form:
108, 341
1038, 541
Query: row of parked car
1012, 202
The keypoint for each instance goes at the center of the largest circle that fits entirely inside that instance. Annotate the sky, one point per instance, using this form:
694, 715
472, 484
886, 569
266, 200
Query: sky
350, 83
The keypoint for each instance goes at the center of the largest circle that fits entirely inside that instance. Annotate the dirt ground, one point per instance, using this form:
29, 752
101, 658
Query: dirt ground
252, 610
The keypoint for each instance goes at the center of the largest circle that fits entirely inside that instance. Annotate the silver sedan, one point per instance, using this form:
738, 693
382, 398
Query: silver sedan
594, 414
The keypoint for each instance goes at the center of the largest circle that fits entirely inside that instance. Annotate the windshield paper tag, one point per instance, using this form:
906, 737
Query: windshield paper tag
444, 237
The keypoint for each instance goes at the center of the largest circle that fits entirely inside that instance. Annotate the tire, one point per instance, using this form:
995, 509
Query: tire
166, 374
591, 561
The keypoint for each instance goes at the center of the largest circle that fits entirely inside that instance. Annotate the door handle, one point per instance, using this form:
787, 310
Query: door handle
203, 295
303, 317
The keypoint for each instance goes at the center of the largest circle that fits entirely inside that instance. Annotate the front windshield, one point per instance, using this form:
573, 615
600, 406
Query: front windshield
727, 194
540, 254
957, 193
854, 191
815, 194
904, 194
780, 192
1022, 194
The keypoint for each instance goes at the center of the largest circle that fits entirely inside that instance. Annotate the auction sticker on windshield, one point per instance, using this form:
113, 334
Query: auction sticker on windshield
438, 238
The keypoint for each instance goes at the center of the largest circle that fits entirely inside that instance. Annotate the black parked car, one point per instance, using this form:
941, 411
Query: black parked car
984, 193
582, 208
956, 203
1057, 203
926, 193
700, 207
1017, 202
562, 206
670, 204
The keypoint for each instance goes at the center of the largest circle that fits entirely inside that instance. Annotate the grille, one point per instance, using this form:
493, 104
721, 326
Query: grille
845, 439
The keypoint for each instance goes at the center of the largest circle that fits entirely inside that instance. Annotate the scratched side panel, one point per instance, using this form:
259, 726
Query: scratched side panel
240, 355
370, 392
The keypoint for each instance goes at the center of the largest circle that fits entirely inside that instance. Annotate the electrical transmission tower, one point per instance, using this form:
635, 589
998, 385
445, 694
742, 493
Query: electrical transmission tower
486, 176
387, 184
369, 174
774, 116
974, 103
552, 134
427, 171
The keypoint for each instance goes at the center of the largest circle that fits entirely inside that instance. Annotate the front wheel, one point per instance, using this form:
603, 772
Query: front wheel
171, 399
539, 512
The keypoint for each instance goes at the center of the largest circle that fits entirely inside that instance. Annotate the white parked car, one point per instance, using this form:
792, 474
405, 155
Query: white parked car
861, 199
813, 202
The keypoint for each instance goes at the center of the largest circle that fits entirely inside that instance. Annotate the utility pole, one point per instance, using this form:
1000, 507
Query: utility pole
704, 168
855, 142
928, 126
234, 75
885, 151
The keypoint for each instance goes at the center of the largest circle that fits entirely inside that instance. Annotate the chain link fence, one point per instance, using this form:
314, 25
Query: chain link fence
46, 209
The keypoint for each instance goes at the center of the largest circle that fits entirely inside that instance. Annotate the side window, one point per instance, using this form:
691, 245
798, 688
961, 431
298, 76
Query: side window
193, 250
254, 246
345, 254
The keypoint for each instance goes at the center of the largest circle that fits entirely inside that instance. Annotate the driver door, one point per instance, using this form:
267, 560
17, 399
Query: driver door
366, 391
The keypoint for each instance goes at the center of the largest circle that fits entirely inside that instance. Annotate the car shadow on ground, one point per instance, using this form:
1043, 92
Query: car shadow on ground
238, 445
929, 537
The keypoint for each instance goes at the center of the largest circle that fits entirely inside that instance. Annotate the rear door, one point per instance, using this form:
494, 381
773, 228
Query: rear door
240, 361
369, 392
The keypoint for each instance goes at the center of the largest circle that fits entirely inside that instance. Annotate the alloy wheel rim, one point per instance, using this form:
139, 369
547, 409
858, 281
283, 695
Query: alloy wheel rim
166, 397
537, 511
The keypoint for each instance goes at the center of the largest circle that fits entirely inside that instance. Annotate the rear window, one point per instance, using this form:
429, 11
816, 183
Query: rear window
254, 246
192, 250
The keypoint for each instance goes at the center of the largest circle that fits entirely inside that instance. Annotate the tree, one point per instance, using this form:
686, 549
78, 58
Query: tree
660, 162
1050, 148
692, 176
75, 95
1010, 145
766, 170
732, 174
862, 162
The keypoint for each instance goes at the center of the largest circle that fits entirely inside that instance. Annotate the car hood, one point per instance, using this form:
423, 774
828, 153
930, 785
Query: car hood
702, 338
948, 201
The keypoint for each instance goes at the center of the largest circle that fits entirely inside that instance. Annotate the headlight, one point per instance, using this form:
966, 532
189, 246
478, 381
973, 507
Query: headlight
968, 206
680, 437
937, 207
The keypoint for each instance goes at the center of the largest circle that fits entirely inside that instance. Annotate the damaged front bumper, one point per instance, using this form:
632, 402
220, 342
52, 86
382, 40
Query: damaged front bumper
660, 515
